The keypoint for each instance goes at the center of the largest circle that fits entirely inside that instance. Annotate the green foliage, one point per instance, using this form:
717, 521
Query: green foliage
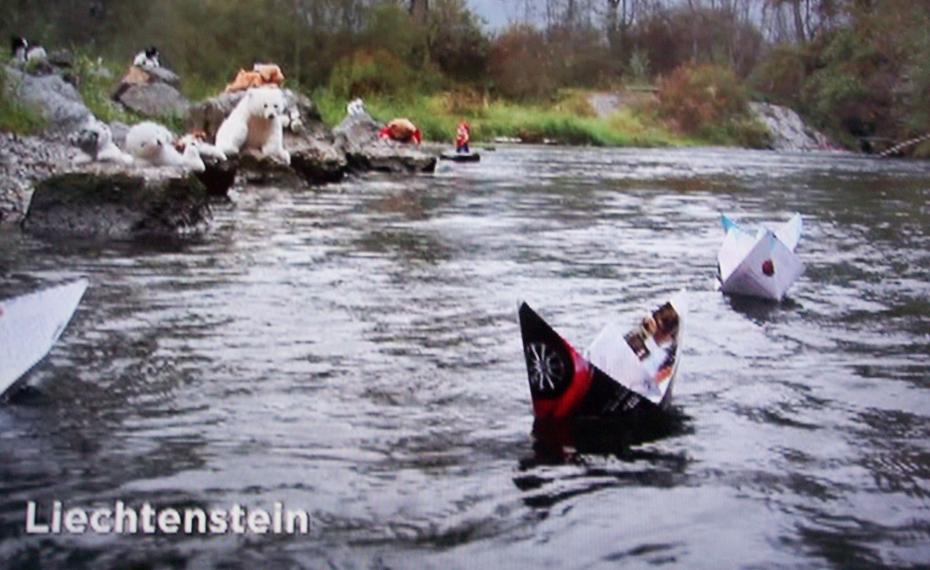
16, 117
365, 73
96, 80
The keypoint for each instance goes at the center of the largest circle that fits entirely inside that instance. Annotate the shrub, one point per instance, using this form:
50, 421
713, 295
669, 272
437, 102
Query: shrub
520, 65
367, 73
695, 97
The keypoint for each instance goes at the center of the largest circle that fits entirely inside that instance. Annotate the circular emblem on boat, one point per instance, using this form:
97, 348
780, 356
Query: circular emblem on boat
548, 375
768, 268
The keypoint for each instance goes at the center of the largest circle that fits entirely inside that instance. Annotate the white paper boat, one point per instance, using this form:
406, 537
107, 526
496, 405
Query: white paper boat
30, 325
761, 265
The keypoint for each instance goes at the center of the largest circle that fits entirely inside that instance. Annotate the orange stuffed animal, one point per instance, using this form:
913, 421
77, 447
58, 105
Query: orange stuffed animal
261, 74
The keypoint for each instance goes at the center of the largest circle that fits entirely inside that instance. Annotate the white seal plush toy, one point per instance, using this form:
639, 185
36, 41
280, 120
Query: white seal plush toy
198, 139
257, 123
95, 140
153, 144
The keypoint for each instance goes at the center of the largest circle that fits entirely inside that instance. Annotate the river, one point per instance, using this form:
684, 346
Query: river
353, 351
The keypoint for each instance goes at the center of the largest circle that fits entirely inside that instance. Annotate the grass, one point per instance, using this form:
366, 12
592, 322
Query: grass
569, 120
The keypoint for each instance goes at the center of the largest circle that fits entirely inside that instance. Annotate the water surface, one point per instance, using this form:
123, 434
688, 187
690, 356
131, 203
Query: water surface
353, 351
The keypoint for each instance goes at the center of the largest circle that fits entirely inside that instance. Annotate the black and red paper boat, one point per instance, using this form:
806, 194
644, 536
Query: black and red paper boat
622, 374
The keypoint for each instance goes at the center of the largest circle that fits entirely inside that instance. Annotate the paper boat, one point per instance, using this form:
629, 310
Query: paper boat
461, 156
622, 373
761, 265
30, 325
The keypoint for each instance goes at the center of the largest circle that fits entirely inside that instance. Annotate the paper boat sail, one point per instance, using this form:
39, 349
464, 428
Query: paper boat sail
622, 372
761, 265
30, 325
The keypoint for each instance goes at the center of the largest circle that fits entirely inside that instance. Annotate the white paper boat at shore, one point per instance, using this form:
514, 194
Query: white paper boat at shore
762, 265
30, 324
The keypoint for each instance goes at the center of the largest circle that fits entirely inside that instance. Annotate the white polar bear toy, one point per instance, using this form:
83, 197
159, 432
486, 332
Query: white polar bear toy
257, 123
95, 140
153, 144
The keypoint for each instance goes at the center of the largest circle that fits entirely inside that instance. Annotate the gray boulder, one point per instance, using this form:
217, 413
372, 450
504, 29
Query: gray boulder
154, 100
151, 92
788, 130
57, 101
104, 201
357, 137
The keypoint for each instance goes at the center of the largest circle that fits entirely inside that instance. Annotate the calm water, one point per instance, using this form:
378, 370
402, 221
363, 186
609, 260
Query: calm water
353, 351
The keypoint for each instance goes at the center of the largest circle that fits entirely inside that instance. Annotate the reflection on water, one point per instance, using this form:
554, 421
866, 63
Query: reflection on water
353, 351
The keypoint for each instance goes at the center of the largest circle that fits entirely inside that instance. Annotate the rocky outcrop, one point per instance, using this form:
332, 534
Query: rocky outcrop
110, 202
357, 137
56, 100
152, 93
23, 162
219, 176
788, 130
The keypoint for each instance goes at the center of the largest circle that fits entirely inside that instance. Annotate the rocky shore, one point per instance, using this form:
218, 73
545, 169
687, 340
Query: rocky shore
73, 198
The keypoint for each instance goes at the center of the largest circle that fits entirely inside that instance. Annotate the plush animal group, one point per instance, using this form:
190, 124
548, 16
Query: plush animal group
147, 144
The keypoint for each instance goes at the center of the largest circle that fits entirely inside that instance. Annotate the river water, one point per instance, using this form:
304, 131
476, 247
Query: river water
353, 351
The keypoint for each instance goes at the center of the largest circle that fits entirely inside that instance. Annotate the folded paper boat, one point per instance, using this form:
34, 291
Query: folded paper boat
461, 156
30, 325
623, 373
761, 265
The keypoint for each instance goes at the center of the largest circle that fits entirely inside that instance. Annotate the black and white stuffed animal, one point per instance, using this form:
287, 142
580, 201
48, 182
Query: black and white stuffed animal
147, 58
22, 52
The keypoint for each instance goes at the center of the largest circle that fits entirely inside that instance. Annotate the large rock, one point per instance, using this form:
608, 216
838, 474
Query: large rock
788, 130
156, 100
57, 101
357, 137
109, 201
314, 157
25, 160
151, 92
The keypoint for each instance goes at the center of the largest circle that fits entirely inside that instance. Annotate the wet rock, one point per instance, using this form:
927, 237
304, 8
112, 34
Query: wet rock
264, 171
57, 101
788, 130
317, 160
219, 176
357, 137
104, 201
151, 92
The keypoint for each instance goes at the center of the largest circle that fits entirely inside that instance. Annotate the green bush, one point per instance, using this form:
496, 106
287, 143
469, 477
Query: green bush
366, 73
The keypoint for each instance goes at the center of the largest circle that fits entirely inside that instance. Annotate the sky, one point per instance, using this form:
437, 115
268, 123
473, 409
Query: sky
496, 13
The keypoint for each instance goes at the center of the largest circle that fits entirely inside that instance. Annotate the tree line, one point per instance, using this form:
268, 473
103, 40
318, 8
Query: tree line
860, 68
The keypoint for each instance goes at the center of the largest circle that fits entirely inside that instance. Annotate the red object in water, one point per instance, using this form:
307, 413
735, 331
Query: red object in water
462, 136
768, 268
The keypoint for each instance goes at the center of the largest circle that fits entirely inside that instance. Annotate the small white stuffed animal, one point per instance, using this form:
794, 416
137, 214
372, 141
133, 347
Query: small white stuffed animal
355, 107
257, 124
198, 141
153, 144
95, 140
